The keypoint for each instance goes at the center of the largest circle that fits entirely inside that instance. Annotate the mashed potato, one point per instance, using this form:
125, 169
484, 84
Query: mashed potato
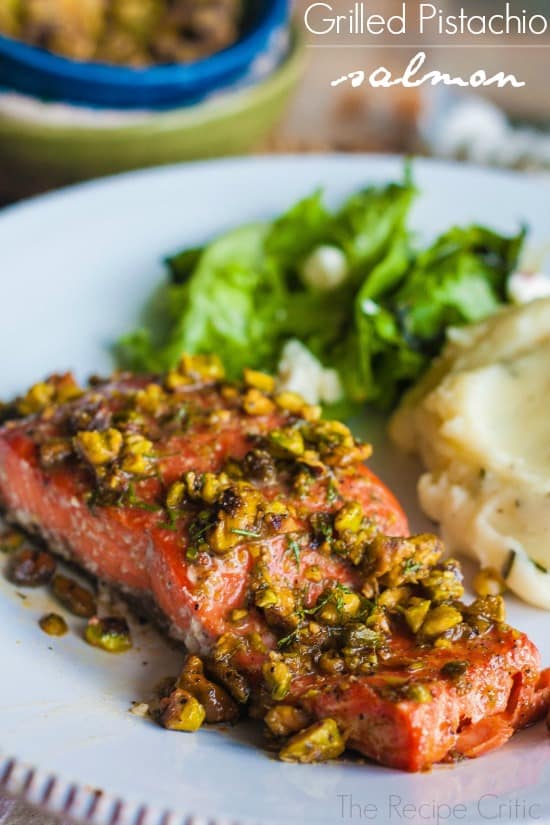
480, 420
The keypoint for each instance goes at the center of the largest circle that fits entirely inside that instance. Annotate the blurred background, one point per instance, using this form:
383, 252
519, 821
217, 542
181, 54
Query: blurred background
93, 87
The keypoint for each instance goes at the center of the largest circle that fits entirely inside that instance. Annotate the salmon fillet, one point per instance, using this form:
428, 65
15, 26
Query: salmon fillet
242, 520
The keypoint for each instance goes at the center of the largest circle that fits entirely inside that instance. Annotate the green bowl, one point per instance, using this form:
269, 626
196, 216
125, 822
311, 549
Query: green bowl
45, 147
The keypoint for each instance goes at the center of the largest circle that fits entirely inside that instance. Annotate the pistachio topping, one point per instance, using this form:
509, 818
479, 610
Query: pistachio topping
217, 703
110, 634
53, 624
77, 599
328, 591
318, 743
195, 369
277, 677
439, 619
284, 720
29, 567
11, 540
58, 389
256, 402
259, 380
99, 448
181, 711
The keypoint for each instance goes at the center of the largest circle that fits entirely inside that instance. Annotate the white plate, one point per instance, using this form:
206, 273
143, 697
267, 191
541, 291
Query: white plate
75, 269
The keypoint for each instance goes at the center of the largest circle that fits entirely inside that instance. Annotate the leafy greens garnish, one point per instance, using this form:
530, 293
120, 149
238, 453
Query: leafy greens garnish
242, 296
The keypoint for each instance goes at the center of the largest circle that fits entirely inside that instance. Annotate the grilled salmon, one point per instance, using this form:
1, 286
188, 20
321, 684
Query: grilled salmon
254, 531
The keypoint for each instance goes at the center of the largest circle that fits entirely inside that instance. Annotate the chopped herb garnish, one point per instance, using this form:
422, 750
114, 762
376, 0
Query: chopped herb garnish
540, 567
172, 521
295, 549
286, 640
411, 566
246, 533
199, 527
132, 499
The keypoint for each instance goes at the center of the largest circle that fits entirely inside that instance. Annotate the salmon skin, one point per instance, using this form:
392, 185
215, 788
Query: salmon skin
255, 531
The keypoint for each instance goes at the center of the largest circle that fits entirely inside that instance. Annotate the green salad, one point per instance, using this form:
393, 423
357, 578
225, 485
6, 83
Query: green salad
352, 288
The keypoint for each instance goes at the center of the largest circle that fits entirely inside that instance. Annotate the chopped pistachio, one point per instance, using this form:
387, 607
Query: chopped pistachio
360, 636
258, 464
331, 663
150, 398
54, 452
284, 720
218, 705
259, 380
231, 679
206, 487
238, 616
266, 597
312, 412
256, 403
236, 518
287, 442
110, 634
313, 573
418, 693
330, 434
37, 398
11, 540
395, 681
396, 561
416, 612
318, 743
53, 624
341, 605
349, 517
290, 402
283, 613
394, 596
205, 367
439, 619
99, 448
66, 388
137, 454
175, 495
182, 712
491, 608
31, 568
455, 669
174, 380
74, 597
213, 485
278, 678
444, 582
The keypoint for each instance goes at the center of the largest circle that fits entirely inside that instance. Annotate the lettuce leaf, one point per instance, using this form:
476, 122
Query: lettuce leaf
242, 296
229, 304
460, 279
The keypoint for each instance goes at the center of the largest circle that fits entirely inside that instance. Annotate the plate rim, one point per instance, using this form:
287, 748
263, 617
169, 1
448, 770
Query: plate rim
61, 796
81, 187
58, 794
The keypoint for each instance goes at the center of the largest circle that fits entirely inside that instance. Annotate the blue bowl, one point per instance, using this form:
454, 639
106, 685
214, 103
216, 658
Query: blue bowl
40, 73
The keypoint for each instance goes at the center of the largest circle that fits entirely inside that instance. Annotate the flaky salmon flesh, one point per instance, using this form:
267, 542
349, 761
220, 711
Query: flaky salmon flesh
255, 532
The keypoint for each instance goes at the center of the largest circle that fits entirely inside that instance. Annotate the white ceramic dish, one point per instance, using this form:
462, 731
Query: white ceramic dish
75, 269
